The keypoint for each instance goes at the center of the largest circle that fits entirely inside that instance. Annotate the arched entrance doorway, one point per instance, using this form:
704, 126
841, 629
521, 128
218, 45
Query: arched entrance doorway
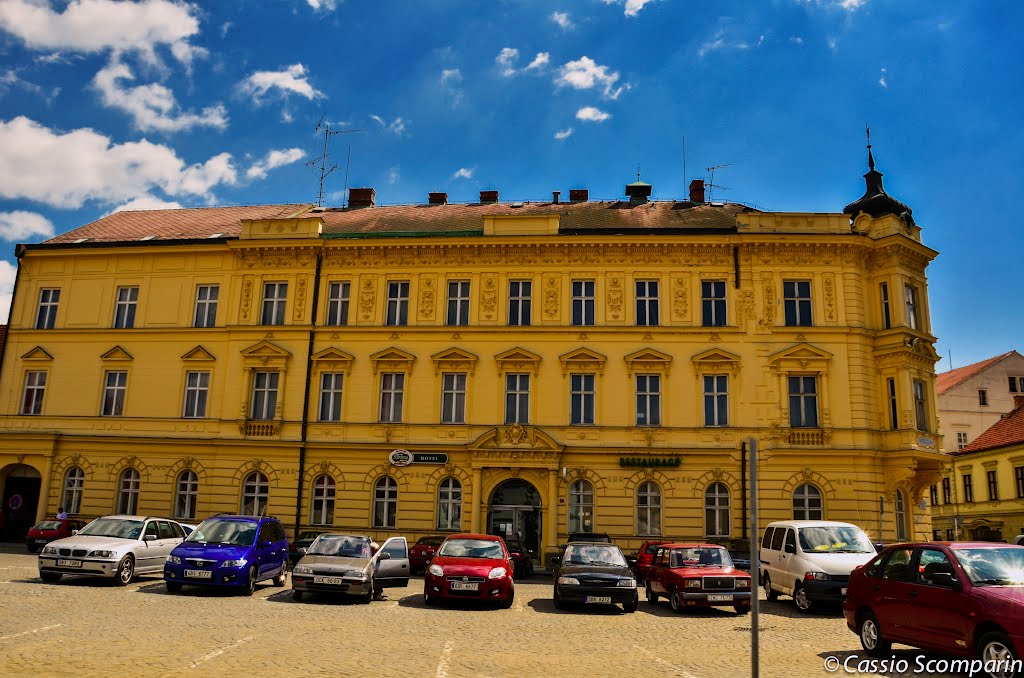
21, 484
514, 512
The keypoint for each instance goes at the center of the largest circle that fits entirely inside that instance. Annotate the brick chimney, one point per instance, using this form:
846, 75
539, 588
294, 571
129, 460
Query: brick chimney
437, 198
488, 197
555, 195
579, 195
361, 197
697, 191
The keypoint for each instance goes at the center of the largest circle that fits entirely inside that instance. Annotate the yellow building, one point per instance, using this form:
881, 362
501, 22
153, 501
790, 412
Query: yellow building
529, 369
981, 496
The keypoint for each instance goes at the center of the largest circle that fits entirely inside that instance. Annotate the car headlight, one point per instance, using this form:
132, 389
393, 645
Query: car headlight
302, 569
357, 574
436, 570
693, 583
820, 576
628, 583
497, 573
48, 551
100, 553
174, 559
743, 583
568, 581
234, 563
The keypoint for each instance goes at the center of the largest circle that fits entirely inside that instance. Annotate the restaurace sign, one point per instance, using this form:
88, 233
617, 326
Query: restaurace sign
657, 462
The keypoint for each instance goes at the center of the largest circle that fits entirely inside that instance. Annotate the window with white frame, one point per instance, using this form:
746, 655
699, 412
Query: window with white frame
717, 515
582, 302
197, 393
519, 302
115, 386
803, 402
46, 314
646, 302
186, 492
920, 406
982, 397
255, 494
453, 398
581, 396
716, 400
796, 298
807, 503
458, 302
449, 504
264, 395
323, 501
901, 516
385, 502
968, 487
275, 301
124, 309
517, 398
993, 485
581, 506
392, 394
886, 312
894, 420
712, 294
206, 306
1016, 384
337, 303
74, 483
398, 303
128, 492
648, 508
648, 400
961, 440
330, 396
947, 491
35, 388
910, 295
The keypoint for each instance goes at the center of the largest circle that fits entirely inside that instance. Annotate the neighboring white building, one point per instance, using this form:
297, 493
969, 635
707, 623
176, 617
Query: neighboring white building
971, 399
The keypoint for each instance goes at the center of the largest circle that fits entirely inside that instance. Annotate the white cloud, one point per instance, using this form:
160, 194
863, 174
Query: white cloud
66, 169
847, 5
147, 202
563, 20
323, 5
153, 106
796, 40
833, 43
394, 174
98, 25
591, 114
272, 160
464, 173
539, 61
450, 80
632, 7
881, 80
292, 80
396, 126
7, 274
584, 73
506, 59
721, 42
19, 226
563, 133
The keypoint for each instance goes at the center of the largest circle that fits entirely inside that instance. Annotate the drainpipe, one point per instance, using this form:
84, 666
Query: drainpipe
305, 397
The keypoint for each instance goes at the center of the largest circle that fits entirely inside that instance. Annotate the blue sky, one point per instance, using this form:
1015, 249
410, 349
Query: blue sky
106, 104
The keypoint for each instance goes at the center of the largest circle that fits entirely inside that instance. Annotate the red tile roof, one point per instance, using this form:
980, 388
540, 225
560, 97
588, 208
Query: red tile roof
1009, 430
947, 380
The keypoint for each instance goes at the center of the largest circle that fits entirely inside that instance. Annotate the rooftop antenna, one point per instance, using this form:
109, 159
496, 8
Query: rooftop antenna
711, 186
321, 163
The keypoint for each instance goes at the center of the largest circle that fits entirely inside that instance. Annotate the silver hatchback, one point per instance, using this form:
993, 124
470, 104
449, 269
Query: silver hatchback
344, 563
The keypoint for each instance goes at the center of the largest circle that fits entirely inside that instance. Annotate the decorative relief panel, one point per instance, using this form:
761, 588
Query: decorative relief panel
680, 298
616, 295
489, 297
551, 290
768, 317
247, 284
299, 311
367, 298
428, 297
829, 285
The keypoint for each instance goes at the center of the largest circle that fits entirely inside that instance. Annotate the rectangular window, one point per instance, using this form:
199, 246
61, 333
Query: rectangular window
35, 386
961, 440
1018, 476
920, 406
648, 400
197, 390
982, 397
519, 302
124, 311
993, 485
453, 398
646, 302
115, 385
886, 313
458, 302
582, 302
803, 402
968, 488
398, 303
716, 400
275, 298
934, 495
392, 393
330, 396
1016, 384
264, 395
46, 316
337, 304
581, 387
947, 491
517, 399
796, 297
894, 417
206, 306
712, 293
910, 294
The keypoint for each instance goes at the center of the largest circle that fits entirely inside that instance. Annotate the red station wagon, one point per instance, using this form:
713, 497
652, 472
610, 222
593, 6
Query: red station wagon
697, 575
45, 531
470, 567
961, 598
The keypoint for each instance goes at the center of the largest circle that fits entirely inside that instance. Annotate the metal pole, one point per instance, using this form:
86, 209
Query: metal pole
756, 559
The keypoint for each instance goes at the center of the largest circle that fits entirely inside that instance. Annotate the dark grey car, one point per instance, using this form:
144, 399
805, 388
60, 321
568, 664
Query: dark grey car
344, 563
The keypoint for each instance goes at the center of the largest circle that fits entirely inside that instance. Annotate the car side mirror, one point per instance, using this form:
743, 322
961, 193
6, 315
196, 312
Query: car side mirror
790, 548
384, 556
74, 532
301, 550
947, 580
149, 537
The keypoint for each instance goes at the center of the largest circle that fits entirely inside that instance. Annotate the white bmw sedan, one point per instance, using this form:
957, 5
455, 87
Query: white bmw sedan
117, 547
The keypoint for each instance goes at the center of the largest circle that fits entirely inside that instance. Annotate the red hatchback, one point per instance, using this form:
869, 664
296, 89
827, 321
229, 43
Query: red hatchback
45, 531
470, 567
422, 551
961, 598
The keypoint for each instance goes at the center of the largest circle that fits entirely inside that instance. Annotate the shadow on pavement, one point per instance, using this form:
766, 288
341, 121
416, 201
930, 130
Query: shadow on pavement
335, 599
547, 606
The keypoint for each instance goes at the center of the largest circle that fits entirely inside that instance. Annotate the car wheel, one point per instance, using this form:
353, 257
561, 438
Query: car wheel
631, 605
251, 584
871, 636
769, 592
742, 609
297, 596
506, 604
652, 597
50, 577
559, 603
675, 600
367, 597
428, 599
803, 603
995, 650
173, 586
125, 571
280, 579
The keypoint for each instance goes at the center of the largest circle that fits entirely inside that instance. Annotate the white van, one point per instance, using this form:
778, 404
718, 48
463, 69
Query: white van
811, 560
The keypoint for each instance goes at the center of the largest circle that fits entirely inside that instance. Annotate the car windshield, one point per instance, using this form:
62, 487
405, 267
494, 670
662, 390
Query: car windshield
308, 536
430, 541
341, 545
47, 525
591, 554
700, 557
835, 539
471, 548
993, 566
119, 528
227, 532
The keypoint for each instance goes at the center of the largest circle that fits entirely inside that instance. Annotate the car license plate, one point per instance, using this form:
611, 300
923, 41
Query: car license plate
199, 574
69, 563
713, 598
465, 586
327, 580
599, 599
842, 591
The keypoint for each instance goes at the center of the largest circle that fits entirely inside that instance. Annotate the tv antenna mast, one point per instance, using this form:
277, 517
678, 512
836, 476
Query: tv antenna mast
321, 162
711, 179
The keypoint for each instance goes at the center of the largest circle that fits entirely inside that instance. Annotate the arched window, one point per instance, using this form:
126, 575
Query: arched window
74, 481
717, 517
581, 507
255, 492
807, 503
901, 516
449, 504
385, 502
648, 508
185, 492
323, 501
128, 492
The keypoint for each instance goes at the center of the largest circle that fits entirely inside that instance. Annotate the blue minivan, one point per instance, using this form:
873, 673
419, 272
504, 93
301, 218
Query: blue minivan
231, 551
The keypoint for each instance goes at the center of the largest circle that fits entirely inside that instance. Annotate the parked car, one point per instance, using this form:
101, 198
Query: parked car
697, 575
45, 531
116, 547
229, 551
470, 566
594, 573
303, 541
1019, 540
345, 564
423, 550
739, 551
521, 558
811, 560
644, 556
963, 598
590, 536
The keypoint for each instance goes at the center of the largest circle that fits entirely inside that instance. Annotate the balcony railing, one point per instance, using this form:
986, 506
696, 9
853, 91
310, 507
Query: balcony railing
261, 429
806, 436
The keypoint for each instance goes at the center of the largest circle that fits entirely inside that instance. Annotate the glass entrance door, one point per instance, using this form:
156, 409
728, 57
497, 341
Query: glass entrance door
515, 514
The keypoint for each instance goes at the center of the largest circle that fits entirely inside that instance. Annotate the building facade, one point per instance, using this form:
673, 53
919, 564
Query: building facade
971, 399
524, 369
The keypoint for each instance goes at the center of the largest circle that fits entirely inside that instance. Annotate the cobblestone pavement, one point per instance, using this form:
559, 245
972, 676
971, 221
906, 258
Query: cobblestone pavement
89, 628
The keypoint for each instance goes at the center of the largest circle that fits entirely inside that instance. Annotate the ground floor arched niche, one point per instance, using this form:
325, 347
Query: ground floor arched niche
21, 485
514, 512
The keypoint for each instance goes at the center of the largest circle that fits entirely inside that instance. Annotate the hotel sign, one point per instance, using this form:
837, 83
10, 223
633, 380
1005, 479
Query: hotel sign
655, 462
405, 457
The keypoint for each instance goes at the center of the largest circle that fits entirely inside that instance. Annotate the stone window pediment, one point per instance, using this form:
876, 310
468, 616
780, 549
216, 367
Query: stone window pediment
392, 360
198, 354
37, 354
332, 360
117, 353
518, 360
801, 357
648, 360
716, 360
265, 354
582, 360
454, 360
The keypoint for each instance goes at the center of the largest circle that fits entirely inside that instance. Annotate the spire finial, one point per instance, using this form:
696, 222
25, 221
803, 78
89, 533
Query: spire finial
871, 158
638, 172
